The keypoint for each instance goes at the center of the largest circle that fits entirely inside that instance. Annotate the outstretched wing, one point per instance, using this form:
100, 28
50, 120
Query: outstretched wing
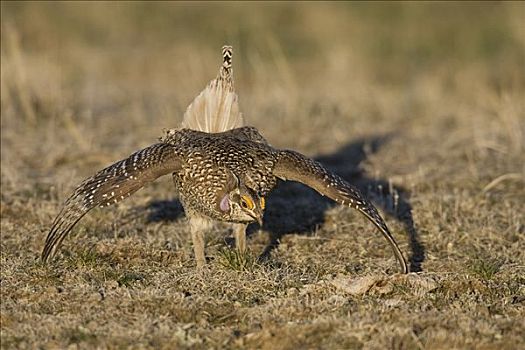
110, 186
296, 167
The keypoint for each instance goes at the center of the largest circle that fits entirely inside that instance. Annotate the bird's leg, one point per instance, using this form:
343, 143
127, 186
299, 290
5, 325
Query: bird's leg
198, 247
198, 226
240, 237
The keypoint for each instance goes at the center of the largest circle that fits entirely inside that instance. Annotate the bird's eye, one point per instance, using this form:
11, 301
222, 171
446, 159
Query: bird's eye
244, 204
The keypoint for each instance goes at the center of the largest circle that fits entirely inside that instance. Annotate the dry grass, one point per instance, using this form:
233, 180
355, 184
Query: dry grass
421, 105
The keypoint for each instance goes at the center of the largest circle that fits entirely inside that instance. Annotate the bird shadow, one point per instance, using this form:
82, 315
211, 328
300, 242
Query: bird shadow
164, 210
309, 208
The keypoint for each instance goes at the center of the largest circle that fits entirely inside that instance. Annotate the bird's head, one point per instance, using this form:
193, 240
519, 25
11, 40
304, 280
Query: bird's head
243, 205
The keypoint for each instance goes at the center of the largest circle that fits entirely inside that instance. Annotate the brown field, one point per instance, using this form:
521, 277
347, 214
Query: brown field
422, 106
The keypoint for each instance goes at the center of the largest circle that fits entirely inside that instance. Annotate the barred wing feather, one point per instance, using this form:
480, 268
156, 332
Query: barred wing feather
296, 167
110, 186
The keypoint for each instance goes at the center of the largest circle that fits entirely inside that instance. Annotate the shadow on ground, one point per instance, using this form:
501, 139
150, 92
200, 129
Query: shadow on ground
307, 212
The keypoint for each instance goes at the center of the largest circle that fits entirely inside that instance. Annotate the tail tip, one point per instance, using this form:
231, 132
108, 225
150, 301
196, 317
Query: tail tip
227, 56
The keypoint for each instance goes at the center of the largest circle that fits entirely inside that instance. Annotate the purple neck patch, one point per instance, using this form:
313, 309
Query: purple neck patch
225, 203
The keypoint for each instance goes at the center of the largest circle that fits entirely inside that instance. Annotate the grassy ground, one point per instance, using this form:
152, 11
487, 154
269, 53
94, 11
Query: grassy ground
420, 105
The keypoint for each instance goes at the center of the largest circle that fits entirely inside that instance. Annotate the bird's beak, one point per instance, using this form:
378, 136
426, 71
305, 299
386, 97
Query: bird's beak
258, 216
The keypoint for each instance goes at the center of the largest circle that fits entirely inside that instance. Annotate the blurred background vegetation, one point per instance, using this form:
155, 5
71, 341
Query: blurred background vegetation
84, 68
292, 43
423, 101
398, 36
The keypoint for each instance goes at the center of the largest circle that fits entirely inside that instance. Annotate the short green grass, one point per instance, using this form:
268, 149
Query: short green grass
420, 105
234, 260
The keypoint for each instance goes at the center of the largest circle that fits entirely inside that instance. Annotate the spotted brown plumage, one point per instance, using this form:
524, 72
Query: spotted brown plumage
221, 172
203, 166
211, 159
110, 186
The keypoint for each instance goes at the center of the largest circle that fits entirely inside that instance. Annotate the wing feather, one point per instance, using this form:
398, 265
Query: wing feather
296, 167
109, 186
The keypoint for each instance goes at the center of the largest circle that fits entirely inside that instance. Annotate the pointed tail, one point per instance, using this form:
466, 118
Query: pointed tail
216, 108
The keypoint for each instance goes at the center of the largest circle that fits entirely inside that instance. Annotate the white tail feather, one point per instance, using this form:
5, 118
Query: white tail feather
216, 108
